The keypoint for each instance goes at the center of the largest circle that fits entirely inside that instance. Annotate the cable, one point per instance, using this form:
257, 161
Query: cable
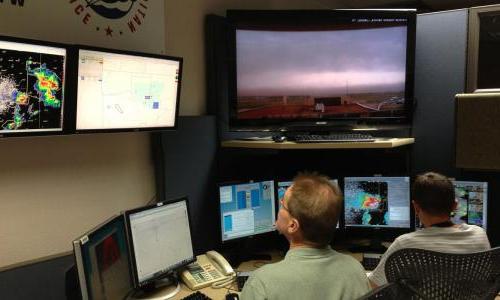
224, 282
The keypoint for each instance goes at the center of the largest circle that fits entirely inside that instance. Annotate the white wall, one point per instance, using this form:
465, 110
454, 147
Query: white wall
55, 188
185, 37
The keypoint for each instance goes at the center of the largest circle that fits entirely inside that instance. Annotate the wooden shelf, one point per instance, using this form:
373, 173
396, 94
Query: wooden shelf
377, 144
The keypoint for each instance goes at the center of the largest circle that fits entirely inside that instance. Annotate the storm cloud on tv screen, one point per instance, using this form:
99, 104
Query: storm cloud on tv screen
321, 63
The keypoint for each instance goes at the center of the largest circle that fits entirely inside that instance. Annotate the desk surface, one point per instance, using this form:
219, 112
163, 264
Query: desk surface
377, 144
220, 294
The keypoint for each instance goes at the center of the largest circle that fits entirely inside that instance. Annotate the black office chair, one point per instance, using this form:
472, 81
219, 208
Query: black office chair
434, 275
389, 291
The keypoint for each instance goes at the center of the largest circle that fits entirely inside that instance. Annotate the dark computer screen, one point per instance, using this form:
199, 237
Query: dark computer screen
122, 90
472, 198
247, 209
102, 261
160, 240
32, 83
377, 202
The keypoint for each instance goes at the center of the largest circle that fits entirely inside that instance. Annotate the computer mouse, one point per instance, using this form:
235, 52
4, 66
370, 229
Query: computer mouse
232, 296
279, 138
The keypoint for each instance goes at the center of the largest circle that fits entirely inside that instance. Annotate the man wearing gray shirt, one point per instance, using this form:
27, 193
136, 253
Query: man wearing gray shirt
311, 269
434, 200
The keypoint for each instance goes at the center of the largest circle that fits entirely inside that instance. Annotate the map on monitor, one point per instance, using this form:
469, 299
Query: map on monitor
31, 87
125, 91
377, 202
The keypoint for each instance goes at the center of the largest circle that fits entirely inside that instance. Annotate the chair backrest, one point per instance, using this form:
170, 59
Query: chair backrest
389, 291
436, 275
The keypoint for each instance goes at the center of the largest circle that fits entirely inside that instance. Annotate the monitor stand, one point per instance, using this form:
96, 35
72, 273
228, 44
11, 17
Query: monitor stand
375, 246
244, 252
163, 289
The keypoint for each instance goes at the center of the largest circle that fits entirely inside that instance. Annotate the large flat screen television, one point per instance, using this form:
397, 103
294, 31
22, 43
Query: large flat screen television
126, 91
320, 67
32, 87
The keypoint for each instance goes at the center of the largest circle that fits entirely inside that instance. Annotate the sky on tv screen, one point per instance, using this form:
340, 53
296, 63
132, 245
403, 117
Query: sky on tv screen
321, 63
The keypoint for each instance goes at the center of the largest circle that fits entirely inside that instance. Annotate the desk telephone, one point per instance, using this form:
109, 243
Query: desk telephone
209, 269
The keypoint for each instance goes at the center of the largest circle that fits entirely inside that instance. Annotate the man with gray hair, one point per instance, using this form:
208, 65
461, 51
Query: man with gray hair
307, 218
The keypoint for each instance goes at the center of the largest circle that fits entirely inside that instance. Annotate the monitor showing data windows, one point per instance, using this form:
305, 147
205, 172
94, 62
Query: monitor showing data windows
377, 202
247, 209
160, 240
32, 86
126, 91
471, 203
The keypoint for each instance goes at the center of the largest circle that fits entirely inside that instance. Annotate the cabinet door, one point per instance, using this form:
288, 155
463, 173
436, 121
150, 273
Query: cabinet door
483, 73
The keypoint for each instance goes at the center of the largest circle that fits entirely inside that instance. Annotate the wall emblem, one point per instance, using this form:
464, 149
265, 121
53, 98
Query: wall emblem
111, 17
19, 3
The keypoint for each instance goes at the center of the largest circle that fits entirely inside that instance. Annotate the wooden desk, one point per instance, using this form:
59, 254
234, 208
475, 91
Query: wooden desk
377, 144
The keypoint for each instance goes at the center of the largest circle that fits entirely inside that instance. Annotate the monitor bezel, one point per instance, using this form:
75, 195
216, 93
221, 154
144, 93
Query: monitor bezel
219, 211
77, 253
65, 120
386, 231
269, 18
133, 263
73, 110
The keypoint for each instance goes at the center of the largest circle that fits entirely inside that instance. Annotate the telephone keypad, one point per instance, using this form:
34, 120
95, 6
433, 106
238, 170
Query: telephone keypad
214, 273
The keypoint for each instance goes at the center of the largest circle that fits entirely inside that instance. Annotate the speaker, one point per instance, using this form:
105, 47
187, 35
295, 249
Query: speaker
477, 129
217, 83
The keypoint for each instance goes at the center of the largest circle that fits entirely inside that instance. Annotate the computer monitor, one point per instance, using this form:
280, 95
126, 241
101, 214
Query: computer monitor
377, 202
472, 198
160, 243
378, 206
102, 261
320, 67
283, 185
123, 91
247, 209
32, 87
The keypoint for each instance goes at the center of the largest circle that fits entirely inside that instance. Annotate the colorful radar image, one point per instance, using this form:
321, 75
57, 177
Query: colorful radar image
366, 203
31, 91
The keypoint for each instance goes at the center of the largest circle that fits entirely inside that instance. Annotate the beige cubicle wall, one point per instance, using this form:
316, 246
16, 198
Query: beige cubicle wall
55, 188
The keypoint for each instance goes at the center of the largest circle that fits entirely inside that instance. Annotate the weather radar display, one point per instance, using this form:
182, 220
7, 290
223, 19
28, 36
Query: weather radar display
31, 87
377, 201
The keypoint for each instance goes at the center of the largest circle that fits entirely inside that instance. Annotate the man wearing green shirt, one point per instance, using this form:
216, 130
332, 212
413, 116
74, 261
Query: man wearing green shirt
311, 269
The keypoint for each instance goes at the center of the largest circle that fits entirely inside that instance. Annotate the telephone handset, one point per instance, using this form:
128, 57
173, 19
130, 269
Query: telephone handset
209, 269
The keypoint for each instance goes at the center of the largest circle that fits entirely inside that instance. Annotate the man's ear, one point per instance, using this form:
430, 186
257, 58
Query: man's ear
416, 206
293, 226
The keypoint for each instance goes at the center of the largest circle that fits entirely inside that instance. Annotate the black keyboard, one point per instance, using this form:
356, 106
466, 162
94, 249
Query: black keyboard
334, 138
370, 261
240, 280
197, 296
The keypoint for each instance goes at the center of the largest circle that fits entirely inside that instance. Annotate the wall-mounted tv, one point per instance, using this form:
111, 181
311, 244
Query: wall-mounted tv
32, 87
320, 66
126, 91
